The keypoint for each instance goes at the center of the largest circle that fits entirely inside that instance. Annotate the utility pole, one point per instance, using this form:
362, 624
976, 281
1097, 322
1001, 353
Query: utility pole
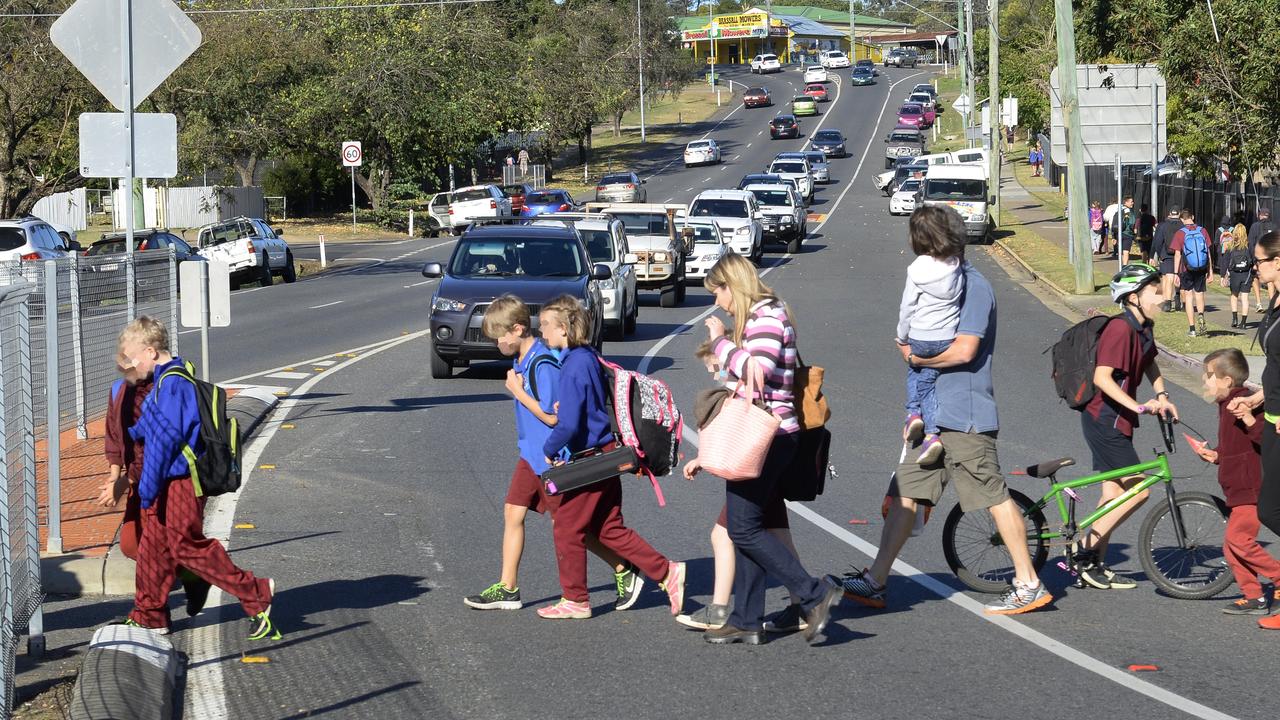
640, 52
969, 66
960, 41
853, 34
993, 89
1077, 195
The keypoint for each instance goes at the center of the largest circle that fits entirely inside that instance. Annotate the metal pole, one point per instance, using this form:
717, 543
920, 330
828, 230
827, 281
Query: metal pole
1155, 152
993, 90
53, 474
353, 199
126, 70
204, 321
640, 53
968, 46
1118, 231
1077, 197
711, 42
853, 34
173, 298
77, 348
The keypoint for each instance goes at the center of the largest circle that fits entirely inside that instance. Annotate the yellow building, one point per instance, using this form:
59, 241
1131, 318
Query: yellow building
793, 33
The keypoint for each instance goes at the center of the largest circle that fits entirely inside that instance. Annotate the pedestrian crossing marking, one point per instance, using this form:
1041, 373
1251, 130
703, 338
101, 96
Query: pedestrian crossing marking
289, 375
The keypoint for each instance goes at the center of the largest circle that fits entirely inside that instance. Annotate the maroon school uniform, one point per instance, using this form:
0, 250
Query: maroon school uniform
1240, 475
1130, 351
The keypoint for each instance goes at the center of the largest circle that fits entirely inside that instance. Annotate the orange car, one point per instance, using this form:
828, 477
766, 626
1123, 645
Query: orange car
817, 91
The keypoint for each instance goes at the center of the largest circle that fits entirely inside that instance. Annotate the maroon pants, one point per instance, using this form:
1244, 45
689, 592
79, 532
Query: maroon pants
597, 510
173, 535
1246, 557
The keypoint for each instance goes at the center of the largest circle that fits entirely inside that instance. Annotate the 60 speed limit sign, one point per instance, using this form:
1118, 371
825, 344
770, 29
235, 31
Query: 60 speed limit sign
352, 156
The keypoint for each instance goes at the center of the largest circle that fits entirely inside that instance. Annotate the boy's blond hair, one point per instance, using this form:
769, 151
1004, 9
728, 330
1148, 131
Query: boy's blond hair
503, 315
704, 352
1228, 363
575, 318
148, 332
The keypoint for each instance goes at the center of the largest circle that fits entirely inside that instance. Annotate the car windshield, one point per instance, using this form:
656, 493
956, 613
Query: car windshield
703, 234
772, 197
782, 121
789, 167
905, 137
545, 198
12, 238
906, 171
218, 234
108, 246
909, 186
827, 135
910, 109
505, 257
643, 223
767, 58
599, 244
710, 207
750, 179
513, 190
834, 54
615, 180
863, 70
921, 98
816, 87
755, 91
815, 157
802, 99
955, 189
469, 195
699, 145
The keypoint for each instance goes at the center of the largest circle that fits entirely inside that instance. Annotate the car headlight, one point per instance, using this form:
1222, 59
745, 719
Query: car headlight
446, 305
743, 231
787, 220
661, 257
608, 284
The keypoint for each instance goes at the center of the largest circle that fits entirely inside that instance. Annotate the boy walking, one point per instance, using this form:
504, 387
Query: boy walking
172, 530
1192, 266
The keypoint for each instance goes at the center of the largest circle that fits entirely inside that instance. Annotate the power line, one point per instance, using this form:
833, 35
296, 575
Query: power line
301, 8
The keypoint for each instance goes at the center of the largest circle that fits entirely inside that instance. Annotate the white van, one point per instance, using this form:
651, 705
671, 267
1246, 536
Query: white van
963, 188
976, 156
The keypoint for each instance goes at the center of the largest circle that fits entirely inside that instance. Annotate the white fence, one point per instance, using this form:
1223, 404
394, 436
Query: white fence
189, 207
68, 208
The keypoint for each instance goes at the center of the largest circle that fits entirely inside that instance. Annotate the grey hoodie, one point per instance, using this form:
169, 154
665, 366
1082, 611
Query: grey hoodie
930, 307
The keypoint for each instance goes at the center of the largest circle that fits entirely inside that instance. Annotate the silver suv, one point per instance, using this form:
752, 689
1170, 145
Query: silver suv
32, 239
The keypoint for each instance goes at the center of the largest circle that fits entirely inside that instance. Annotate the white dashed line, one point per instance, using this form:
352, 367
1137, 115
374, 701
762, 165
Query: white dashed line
424, 282
325, 363
335, 302
289, 375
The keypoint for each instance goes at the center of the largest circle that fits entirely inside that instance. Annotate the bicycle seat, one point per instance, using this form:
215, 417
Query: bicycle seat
1049, 468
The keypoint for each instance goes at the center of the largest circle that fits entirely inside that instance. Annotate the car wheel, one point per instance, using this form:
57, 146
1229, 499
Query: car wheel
629, 323
234, 281
440, 368
793, 247
615, 332
264, 272
290, 273
668, 297
680, 288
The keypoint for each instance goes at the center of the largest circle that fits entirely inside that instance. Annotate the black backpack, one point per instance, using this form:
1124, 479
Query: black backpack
1075, 357
216, 471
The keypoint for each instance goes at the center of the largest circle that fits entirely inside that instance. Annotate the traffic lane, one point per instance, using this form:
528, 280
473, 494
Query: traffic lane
377, 249
411, 509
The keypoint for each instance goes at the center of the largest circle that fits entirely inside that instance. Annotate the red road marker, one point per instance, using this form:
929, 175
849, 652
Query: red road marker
1143, 668
856, 521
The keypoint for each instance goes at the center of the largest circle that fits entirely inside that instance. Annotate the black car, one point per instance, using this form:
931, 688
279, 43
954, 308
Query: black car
868, 64
536, 263
103, 264
830, 142
784, 126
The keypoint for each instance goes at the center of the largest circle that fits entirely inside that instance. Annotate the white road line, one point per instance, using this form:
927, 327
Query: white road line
759, 133
288, 375
663, 169
325, 363
326, 356
748, 145
707, 179
330, 304
424, 282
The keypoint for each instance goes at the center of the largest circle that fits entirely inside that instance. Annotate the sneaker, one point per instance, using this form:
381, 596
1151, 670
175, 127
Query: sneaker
789, 620
495, 597
197, 595
566, 610
128, 622
915, 428
860, 588
711, 617
1245, 606
630, 583
1201, 325
1166, 306
931, 451
1116, 580
1090, 574
674, 585
819, 615
262, 627
1261, 308
1191, 332
1019, 599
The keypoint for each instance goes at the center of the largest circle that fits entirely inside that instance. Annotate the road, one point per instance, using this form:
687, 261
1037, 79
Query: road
382, 509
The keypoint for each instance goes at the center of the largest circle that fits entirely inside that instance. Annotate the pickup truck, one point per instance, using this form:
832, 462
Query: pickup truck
656, 252
477, 201
250, 248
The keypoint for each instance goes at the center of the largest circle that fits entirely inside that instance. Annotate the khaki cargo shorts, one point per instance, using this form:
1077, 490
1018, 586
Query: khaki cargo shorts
969, 461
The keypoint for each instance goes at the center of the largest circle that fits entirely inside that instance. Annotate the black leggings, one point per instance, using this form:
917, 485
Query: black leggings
1269, 497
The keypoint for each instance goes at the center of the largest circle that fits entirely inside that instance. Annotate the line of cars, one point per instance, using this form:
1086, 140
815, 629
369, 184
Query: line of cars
957, 179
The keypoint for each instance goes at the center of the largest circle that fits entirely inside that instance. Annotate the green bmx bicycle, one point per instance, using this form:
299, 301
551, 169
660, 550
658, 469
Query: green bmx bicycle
1179, 542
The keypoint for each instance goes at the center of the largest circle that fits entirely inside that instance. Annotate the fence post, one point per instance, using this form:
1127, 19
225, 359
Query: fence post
6, 548
53, 469
30, 506
77, 350
173, 300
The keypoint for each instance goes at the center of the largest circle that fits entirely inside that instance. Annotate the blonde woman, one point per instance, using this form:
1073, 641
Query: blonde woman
1237, 272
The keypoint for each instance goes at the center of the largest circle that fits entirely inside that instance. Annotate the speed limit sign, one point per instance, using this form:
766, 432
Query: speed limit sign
351, 154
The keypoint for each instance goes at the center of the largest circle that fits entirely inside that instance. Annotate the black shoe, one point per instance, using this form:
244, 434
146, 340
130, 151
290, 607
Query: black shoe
1235, 320
197, 591
1243, 606
729, 634
818, 616
786, 621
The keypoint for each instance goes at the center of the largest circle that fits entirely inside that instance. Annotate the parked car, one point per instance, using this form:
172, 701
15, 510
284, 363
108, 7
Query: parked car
901, 57
30, 238
903, 173
536, 264
903, 200
103, 270
476, 202
829, 142
815, 74
766, 63
926, 88
912, 115
818, 165
902, 141
833, 59
803, 105
869, 65
621, 187
701, 152
516, 194
606, 241
438, 220
784, 126
735, 212
251, 249
862, 76
541, 202
757, 97
782, 214
797, 169
925, 100
657, 253
817, 91
709, 245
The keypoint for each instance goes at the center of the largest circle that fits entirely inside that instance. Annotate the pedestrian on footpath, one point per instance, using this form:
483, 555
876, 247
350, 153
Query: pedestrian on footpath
1036, 159
1128, 230
1146, 231
1192, 266
523, 159
1095, 226
1162, 254
1260, 227
1238, 457
1237, 273
533, 382
172, 531
968, 419
763, 339
124, 460
1111, 230
582, 423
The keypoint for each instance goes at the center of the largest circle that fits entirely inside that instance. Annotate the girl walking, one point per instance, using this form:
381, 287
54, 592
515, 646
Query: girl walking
1237, 273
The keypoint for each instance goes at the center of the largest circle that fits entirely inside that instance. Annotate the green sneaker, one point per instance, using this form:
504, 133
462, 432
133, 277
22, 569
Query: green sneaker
262, 627
630, 583
495, 597
157, 630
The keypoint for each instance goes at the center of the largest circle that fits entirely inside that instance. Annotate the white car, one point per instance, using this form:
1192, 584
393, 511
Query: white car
251, 248
700, 152
833, 59
815, 74
782, 214
477, 202
797, 169
736, 212
606, 239
30, 238
708, 246
767, 63
903, 201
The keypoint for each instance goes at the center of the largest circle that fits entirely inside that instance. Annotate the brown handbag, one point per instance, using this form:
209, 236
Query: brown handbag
811, 404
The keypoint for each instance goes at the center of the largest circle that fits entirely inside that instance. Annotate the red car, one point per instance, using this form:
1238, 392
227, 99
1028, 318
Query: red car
517, 194
817, 91
911, 115
756, 97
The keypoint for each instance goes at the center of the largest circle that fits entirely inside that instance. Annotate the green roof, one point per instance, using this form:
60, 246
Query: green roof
837, 17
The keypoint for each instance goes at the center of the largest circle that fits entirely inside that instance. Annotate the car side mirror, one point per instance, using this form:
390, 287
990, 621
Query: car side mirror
601, 272
631, 258
644, 182
432, 270
74, 246
279, 232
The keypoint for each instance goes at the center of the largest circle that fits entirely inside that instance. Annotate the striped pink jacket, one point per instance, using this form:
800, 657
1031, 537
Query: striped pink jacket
769, 339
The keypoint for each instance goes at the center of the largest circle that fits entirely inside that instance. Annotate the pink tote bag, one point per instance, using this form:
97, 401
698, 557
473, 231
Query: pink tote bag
734, 444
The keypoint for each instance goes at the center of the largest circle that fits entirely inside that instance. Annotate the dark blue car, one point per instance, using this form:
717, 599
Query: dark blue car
535, 263
541, 202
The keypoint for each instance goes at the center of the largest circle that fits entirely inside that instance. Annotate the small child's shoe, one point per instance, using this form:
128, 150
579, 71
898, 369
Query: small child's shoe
566, 610
1246, 606
915, 428
931, 451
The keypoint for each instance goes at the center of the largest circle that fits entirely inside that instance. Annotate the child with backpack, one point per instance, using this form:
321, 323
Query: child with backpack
1192, 265
1095, 226
583, 423
927, 321
1239, 460
533, 382
1237, 272
170, 429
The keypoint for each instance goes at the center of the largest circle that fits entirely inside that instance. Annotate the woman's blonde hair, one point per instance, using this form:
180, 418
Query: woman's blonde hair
739, 275
575, 318
1239, 238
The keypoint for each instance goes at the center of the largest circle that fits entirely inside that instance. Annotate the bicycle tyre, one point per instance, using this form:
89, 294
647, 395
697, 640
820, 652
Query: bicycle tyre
967, 554
1204, 573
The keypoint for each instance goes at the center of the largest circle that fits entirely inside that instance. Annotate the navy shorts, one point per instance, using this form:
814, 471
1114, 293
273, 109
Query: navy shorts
1241, 282
1193, 281
1111, 448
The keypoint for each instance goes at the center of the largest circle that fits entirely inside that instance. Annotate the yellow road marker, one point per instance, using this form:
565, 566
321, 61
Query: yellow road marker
245, 526
266, 467
255, 659
287, 426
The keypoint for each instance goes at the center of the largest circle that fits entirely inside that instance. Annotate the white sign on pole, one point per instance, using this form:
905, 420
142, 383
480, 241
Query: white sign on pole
961, 104
1009, 112
219, 293
1115, 114
104, 145
163, 37
941, 38
352, 155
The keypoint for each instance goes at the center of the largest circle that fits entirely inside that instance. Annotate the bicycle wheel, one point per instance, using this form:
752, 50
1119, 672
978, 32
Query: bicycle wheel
977, 555
1198, 571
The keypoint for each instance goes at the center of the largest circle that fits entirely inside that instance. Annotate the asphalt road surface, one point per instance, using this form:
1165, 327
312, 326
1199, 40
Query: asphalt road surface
382, 509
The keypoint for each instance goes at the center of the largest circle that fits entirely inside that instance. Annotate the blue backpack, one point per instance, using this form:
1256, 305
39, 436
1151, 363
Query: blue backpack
1195, 248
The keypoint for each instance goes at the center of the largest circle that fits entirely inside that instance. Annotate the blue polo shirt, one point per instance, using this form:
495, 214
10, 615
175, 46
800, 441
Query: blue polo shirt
966, 396
531, 433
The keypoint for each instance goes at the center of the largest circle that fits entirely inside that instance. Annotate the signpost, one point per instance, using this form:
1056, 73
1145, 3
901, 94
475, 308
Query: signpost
352, 157
210, 307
